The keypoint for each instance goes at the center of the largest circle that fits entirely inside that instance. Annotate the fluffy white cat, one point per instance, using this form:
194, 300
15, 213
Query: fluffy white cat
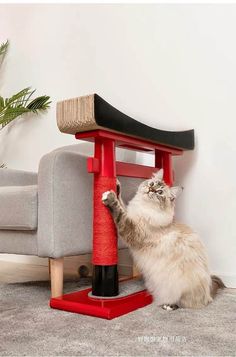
170, 255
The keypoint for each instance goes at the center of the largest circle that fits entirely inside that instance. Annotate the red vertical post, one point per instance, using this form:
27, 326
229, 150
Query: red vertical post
167, 167
105, 255
158, 159
163, 160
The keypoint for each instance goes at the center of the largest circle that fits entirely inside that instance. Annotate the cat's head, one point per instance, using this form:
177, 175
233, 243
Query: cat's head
155, 190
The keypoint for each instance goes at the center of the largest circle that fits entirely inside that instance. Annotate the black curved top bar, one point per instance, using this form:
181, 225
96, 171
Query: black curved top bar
109, 117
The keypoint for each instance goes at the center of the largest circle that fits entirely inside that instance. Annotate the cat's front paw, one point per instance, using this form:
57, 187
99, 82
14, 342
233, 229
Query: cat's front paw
108, 198
118, 187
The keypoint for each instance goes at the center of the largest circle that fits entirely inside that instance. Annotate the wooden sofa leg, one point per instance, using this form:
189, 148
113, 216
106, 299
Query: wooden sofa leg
56, 275
49, 268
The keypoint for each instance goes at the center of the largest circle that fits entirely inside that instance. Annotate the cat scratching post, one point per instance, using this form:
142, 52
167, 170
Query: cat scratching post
90, 118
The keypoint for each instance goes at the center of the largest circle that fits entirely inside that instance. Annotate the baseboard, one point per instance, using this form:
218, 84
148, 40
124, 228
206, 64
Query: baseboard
24, 259
72, 263
125, 264
126, 270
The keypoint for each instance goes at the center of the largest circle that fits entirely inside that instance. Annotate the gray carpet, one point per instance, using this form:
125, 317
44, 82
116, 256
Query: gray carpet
28, 327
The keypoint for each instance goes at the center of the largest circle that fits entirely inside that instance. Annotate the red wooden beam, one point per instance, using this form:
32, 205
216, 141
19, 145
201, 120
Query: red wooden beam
127, 142
123, 168
134, 170
167, 167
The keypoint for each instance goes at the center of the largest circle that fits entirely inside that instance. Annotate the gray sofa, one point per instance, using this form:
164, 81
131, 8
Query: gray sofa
49, 214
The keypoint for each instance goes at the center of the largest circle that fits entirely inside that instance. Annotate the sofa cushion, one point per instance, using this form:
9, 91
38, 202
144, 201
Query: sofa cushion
18, 207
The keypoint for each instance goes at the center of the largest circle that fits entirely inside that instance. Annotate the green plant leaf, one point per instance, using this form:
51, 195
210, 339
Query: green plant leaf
3, 48
21, 103
1, 102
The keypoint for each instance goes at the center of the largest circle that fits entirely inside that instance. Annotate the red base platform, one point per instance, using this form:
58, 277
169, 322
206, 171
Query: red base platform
81, 303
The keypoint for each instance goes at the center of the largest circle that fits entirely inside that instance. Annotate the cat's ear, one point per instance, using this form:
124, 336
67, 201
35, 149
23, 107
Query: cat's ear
158, 175
175, 192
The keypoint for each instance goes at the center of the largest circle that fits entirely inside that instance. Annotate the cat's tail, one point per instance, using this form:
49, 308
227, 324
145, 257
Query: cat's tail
217, 284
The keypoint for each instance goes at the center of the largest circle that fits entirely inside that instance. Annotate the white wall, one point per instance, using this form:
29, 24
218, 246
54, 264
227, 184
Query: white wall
170, 66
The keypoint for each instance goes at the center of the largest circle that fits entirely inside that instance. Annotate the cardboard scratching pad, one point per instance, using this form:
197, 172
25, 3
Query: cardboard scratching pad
91, 112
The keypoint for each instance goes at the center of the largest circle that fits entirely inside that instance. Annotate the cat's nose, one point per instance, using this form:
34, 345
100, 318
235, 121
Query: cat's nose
151, 189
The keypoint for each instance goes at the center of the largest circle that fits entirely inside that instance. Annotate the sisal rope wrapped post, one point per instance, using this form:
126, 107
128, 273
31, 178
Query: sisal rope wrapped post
105, 256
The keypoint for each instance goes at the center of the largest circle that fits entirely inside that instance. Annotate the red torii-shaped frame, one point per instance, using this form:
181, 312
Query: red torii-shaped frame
105, 252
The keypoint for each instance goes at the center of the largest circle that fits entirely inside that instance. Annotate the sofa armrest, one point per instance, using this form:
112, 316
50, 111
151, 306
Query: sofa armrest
65, 191
9, 177
65, 204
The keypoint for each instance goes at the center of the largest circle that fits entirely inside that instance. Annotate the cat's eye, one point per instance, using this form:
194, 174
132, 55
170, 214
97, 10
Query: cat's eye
151, 184
160, 192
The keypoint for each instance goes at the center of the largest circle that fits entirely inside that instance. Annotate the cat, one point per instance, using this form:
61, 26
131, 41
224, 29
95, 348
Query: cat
169, 255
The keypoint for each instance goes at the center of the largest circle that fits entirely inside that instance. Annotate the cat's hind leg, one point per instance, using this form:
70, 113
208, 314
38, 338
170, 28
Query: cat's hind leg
195, 299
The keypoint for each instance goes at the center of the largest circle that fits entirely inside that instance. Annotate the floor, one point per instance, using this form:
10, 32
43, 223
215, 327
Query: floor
30, 328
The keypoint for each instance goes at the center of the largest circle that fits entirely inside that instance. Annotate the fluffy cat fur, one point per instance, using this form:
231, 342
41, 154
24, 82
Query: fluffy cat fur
169, 255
